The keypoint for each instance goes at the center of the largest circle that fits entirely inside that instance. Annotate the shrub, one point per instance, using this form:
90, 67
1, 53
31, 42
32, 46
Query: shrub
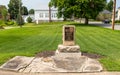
29, 19
117, 21
9, 23
2, 23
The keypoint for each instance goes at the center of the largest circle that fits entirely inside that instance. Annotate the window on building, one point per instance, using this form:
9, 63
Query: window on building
41, 15
54, 15
46, 15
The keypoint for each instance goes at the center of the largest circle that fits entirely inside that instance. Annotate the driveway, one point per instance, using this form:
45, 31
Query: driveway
117, 27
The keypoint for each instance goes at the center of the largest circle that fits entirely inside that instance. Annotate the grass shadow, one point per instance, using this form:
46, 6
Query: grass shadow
82, 25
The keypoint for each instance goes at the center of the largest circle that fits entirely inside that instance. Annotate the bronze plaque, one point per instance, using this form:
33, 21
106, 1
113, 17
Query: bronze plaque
69, 33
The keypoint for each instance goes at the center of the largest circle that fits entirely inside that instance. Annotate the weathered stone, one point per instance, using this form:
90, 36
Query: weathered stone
68, 35
64, 55
47, 59
92, 66
66, 49
71, 64
60, 63
38, 65
17, 63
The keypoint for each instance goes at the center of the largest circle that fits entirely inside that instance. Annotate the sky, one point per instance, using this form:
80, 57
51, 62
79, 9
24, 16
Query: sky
38, 4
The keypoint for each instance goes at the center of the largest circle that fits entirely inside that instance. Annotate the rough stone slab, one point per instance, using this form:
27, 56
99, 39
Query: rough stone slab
17, 63
70, 64
40, 66
66, 49
92, 65
57, 63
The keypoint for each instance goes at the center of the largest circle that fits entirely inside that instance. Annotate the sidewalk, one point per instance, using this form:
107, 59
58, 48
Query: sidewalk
15, 73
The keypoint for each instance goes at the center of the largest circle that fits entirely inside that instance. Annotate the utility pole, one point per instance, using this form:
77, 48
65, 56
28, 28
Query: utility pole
20, 12
113, 14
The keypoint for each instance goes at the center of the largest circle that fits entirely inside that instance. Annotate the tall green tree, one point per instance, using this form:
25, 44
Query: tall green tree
31, 11
4, 14
24, 10
109, 6
2, 7
79, 8
13, 8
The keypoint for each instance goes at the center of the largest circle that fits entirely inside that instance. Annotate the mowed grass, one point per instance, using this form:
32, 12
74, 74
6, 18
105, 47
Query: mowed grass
31, 39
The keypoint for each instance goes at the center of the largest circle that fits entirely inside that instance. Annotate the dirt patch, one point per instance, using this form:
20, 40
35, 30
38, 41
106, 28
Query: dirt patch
45, 54
91, 55
52, 53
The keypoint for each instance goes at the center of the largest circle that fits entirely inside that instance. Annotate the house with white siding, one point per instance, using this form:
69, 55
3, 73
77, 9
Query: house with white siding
42, 15
118, 14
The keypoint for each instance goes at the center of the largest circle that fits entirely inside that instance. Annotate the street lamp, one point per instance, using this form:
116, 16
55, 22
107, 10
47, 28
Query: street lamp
113, 14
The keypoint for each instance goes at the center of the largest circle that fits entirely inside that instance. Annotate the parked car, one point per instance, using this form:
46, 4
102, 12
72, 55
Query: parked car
106, 21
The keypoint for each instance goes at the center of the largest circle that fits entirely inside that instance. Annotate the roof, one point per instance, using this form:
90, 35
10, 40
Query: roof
46, 9
106, 12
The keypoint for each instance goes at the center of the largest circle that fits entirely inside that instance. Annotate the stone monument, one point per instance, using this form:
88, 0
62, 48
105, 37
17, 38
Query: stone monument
68, 45
68, 58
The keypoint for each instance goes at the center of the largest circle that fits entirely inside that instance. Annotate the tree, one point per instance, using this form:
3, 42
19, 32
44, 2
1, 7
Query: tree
29, 19
31, 11
20, 20
50, 5
24, 10
4, 14
109, 6
79, 8
2, 7
13, 8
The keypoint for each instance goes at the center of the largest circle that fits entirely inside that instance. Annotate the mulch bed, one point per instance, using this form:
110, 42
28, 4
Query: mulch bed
91, 55
45, 54
52, 53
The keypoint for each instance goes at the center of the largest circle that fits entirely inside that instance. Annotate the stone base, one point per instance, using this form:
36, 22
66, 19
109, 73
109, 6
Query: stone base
64, 55
68, 49
53, 64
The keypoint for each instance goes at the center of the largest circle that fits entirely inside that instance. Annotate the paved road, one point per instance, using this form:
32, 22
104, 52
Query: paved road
15, 73
117, 27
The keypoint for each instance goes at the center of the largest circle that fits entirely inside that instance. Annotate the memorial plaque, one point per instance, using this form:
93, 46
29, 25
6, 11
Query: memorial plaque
68, 35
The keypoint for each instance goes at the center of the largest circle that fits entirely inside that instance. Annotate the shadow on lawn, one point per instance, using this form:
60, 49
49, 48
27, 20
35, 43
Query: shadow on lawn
82, 25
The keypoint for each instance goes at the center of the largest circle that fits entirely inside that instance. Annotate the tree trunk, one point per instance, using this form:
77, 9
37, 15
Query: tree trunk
50, 14
86, 20
65, 19
20, 26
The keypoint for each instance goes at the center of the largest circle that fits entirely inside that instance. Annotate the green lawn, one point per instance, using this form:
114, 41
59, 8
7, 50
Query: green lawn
46, 36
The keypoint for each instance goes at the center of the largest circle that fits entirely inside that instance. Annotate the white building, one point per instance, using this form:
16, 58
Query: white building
43, 16
118, 14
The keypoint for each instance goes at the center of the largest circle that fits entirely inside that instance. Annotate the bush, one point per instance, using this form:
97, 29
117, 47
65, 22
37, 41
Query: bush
117, 21
29, 19
9, 23
2, 23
